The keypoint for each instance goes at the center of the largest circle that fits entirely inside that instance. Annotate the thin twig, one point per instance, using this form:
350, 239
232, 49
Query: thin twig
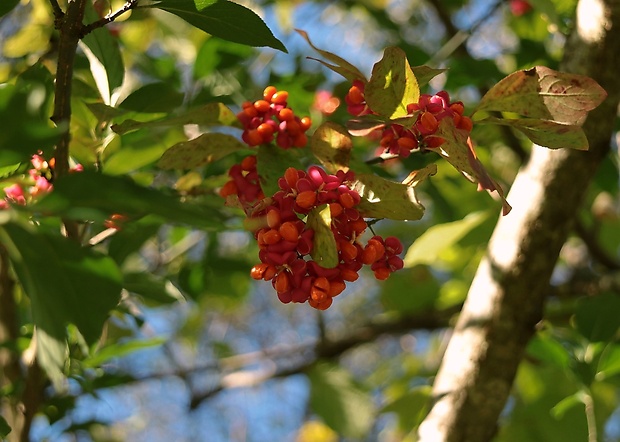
129, 5
58, 13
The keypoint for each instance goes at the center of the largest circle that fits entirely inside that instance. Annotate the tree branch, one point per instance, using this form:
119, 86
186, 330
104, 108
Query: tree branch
129, 5
506, 299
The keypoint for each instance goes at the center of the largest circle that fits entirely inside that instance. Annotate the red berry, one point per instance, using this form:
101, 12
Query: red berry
306, 199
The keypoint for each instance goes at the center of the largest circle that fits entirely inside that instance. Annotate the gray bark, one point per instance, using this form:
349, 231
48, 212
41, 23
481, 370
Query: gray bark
507, 296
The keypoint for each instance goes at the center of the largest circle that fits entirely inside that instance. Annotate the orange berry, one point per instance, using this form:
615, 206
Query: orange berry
466, 124
253, 137
382, 274
336, 287
293, 128
348, 251
378, 246
258, 271
262, 106
273, 218
457, 107
250, 112
369, 255
279, 97
271, 236
407, 143
286, 114
359, 225
346, 200
230, 188
306, 199
429, 122
355, 95
291, 176
289, 231
335, 210
320, 289
282, 282
349, 275
300, 140
434, 141
248, 163
266, 131
323, 305
305, 123
270, 272
268, 92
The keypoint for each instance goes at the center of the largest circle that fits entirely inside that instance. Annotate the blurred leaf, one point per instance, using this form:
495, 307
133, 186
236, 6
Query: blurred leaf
202, 150
392, 85
5, 7
545, 133
427, 248
341, 66
153, 98
365, 124
66, 284
410, 290
542, 93
216, 54
211, 114
560, 409
90, 195
104, 55
223, 19
119, 350
339, 401
597, 318
609, 363
271, 164
331, 144
5, 429
131, 238
324, 248
412, 407
546, 349
151, 287
383, 198
103, 112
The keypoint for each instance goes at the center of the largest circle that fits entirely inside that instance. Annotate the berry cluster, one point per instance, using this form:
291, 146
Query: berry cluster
286, 240
244, 183
270, 118
38, 182
400, 140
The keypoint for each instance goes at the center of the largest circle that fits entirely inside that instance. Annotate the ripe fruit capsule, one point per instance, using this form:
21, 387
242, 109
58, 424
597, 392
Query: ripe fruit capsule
286, 114
273, 218
382, 273
279, 97
282, 282
268, 92
289, 231
262, 106
306, 199
258, 271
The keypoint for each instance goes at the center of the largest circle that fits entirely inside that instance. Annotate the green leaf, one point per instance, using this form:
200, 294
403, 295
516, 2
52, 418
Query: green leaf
211, 114
597, 317
119, 350
542, 93
153, 98
66, 284
609, 363
424, 74
104, 56
5, 429
383, 198
412, 407
7, 6
392, 85
560, 409
133, 235
223, 19
324, 248
341, 66
365, 124
544, 348
339, 401
544, 132
151, 287
332, 145
428, 247
410, 290
271, 164
90, 195
202, 150
458, 150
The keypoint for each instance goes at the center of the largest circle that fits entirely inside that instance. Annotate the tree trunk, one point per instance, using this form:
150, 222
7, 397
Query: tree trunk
506, 299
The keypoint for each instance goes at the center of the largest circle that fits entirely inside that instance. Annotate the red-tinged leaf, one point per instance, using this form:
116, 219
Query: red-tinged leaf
332, 145
542, 93
392, 85
202, 150
340, 66
545, 133
383, 198
424, 74
212, 114
364, 125
324, 249
458, 150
